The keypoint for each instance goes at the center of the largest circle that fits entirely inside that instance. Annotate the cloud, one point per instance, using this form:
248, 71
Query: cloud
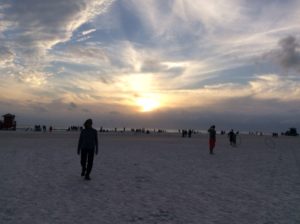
209, 35
286, 54
189, 55
52, 105
271, 86
29, 32
267, 87
32, 78
86, 110
72, 106
4, 24
38, 26
169, 19
83, 54
86, 32
289, 55
38, 108
212, 14
85, 35
6, 56
152, 66
83, 38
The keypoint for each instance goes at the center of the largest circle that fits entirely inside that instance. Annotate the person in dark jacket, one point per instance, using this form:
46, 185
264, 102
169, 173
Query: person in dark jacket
87, 147
232, 138
212, 139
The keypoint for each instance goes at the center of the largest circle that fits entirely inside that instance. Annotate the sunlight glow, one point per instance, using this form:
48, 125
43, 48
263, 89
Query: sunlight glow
147, 104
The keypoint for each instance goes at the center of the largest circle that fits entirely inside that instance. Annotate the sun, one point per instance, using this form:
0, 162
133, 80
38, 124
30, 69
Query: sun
147, 104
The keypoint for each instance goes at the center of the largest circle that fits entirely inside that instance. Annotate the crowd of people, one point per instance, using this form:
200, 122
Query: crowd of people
88, 140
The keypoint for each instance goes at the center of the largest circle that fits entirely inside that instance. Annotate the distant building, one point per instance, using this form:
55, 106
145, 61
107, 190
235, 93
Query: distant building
8, 122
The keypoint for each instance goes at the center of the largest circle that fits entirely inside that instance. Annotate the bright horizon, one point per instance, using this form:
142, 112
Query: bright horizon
170, 64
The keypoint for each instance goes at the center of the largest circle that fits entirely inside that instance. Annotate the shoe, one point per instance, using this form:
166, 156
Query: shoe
87, 178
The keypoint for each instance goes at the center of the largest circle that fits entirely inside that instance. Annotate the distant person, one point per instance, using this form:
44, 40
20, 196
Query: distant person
212, 139
232, 138
87, 146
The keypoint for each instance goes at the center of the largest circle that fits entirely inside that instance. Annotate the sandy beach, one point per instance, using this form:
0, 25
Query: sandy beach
156, 178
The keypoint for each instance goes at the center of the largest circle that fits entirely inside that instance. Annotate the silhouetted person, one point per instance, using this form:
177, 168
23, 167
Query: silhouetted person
232, 138
212, 139
87, 146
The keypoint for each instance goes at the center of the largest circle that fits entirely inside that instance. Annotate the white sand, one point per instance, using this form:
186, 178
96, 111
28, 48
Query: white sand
149, 179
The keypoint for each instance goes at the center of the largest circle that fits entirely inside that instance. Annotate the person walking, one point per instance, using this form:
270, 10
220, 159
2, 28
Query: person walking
232, 138
87, 147
212, 139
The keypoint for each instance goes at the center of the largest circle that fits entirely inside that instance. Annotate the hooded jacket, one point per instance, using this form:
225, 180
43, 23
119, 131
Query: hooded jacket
88, 140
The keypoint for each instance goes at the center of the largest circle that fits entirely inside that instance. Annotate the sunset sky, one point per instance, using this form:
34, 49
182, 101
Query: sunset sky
151, 63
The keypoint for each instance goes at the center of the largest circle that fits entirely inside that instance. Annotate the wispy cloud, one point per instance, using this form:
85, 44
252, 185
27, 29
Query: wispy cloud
86, 32
6, 56
38, 28
87, 54
29, 30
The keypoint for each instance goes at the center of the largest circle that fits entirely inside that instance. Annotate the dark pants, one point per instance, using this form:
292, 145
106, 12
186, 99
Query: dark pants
87, 158
212, 143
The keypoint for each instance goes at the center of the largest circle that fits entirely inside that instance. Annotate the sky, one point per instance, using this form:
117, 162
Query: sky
168, 64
